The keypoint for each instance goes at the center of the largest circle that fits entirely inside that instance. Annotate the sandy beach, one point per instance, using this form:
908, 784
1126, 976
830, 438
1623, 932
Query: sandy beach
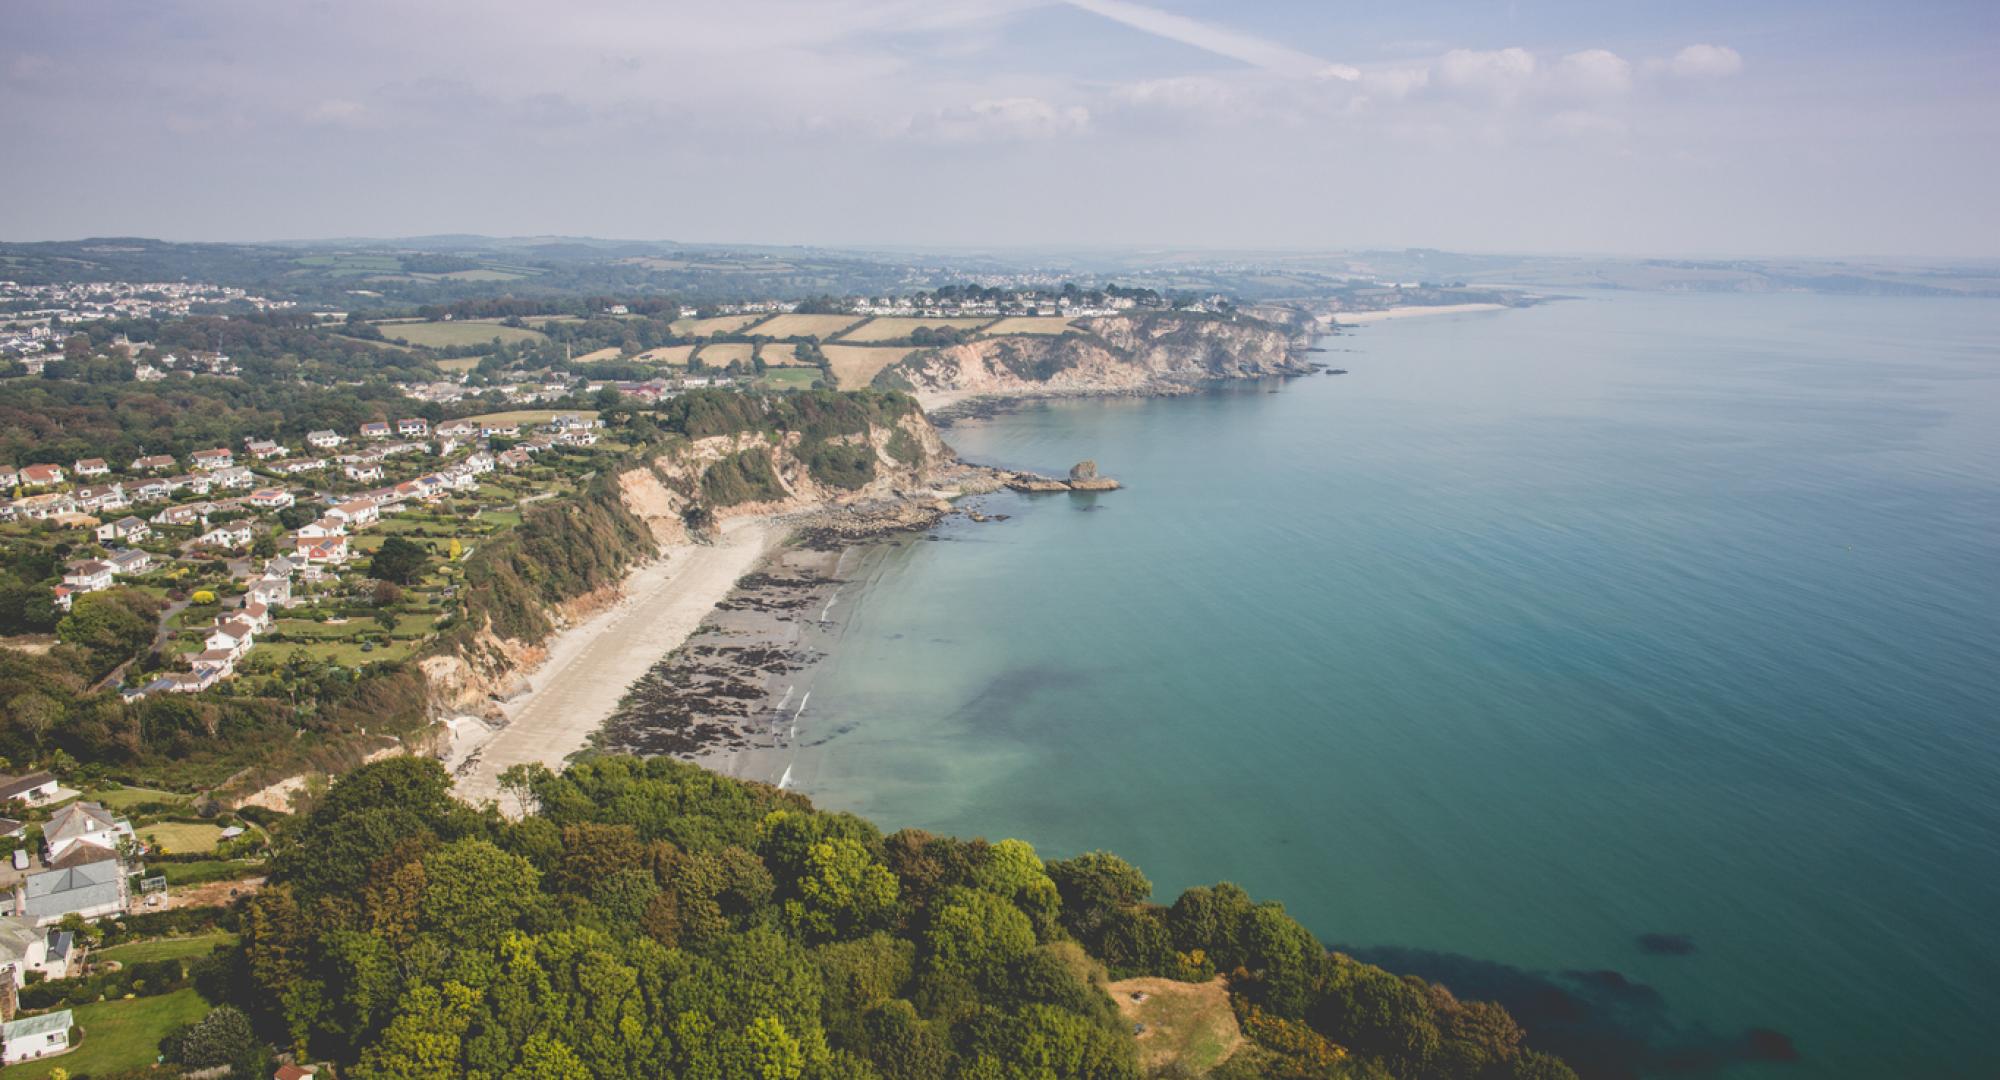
591, 664
1362, 318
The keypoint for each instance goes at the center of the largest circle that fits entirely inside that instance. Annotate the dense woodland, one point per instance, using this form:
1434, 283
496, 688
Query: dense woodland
650, 918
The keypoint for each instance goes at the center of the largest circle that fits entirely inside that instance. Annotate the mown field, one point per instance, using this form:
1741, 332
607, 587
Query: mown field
720, 324
118, 1035
1030, 324
781, 354
612, 353
812, 326
439, 335
896, 328
179, 948
181, 837
677, 355
528, 416
855, 366
788, 378
720, 354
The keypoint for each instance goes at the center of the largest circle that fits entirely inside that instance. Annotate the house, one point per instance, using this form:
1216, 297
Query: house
93, 466
48, 505
235, 534
88, 575
271, 499
180, 515
182, 682
363, 473
237, 477
128, 529
458, 429
256, 613
355, 513
154, 463
320, 552
416, 426
513, 459
83, 823
193, 483
211, 460
325, 439
41, 475
506, 431
129, 562
23, 948
34, 1037
295, 1072
91, 891
320, 529
221, 663
154, 490
9, 476
234, 637
376, 430
272, 590
263, 449
33, 789
101, 497
65, 597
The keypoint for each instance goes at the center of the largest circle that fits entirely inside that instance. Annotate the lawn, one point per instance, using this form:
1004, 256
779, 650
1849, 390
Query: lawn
460, 363
896, 328
345, 653
792, 378
812, 326
179, 948
1030, 324
438, 335
118, 1035
856, 365
720, 324
124, 798
528, 416
1186, 1022
207, 870
181, 837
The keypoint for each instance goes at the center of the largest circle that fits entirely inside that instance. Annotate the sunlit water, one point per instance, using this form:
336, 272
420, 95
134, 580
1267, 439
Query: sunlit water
1539, 631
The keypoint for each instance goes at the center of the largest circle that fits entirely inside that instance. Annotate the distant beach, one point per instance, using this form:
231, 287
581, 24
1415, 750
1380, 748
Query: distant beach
1363, 318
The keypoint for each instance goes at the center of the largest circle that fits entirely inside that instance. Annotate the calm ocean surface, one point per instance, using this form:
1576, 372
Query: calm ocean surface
1540, 631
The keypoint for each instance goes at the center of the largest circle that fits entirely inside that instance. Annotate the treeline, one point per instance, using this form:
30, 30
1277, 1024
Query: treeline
650, 919
561, 550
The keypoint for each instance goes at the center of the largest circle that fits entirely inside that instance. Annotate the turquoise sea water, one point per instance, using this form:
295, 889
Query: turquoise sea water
1539, 631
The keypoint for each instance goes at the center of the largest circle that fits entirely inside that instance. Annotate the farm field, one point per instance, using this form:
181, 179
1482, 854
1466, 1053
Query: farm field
439, 335
896, 328
814, 326
1030, 324
611, 353
720, 324
676, 355
118, 1035
856, 365
178, 948
719, 355
782, 354
459, 363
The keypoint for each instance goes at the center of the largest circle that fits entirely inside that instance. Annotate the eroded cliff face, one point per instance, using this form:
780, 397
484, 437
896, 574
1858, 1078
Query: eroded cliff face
1163, 352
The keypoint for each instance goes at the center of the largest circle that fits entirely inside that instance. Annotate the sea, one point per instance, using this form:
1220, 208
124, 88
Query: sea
1632, 659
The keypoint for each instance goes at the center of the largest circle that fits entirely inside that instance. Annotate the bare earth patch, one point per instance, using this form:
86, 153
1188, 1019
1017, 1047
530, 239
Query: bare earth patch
1191, 1023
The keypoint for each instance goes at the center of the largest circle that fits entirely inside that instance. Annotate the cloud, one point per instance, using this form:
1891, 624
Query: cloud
1501, 74
1705, 62
1594, 73
1015, 119
1222, 41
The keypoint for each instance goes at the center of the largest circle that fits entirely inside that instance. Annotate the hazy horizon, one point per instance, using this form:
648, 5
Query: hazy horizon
1791, 130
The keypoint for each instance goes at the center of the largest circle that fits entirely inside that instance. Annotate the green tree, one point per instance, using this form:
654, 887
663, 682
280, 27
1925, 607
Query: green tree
974, 935
474, 892
398, 560
843, 891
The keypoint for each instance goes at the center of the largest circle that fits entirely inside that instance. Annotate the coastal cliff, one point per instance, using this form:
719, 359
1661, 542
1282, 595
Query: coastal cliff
1148, 353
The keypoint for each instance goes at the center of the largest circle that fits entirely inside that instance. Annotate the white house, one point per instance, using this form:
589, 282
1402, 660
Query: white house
355, 513
93, 466
235, 534
83, 823
34, 788
34, 1037
153, 463
375, 430
272, 590
325, 440
414, 425
211, 460
90, 890
363, 473
130, 561
236, 477
234, 637
88, 575
271, 499
263, 449
129, 529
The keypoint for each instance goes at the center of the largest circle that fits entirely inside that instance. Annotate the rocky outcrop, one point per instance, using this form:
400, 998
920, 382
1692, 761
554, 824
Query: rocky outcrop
1082, 477
1150, 353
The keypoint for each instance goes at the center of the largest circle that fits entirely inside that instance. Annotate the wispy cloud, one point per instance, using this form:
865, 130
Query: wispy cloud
1220, 40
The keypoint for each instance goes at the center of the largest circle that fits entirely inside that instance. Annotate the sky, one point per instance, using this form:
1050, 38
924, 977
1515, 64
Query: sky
1697, 127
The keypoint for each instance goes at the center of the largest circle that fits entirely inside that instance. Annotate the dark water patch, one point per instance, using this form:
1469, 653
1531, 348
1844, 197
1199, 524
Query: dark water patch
1605, 1024
1666, 944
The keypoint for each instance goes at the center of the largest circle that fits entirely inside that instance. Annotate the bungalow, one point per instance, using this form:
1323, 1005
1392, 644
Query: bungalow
211, 460
235, 534
83, 823
193, 483
185, 514
514, 458
362, 474
325, 439
152, 490
154, 463
414, 425
458, 429
263, 449
481, 462
356, 513
375, 430
129, 529
41, 475
221, 663
34, 1037
506, 431
321, 528
271, 499
182, 682
88, 575
578, 437
48, 505
34, 788
91, 891
93, 466
130, 561
238, 477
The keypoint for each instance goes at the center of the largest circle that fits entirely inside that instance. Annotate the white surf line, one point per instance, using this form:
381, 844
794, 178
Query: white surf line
785, 781
829, 603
